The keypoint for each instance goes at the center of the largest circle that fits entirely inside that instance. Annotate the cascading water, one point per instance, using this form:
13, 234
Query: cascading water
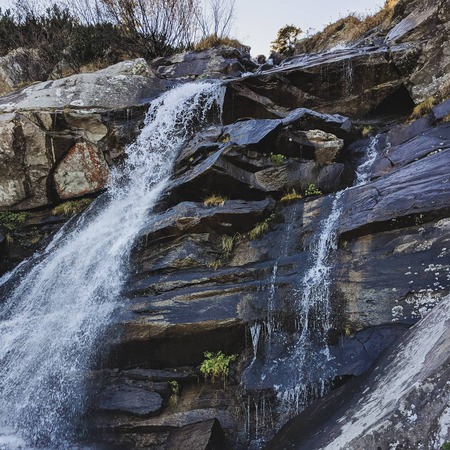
297, 367
52, 320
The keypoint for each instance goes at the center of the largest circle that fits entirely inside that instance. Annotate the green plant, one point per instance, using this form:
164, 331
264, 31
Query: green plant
72, 207
174, 387
174, 391
312, 190
367, 131
11, 220
215, 200
445, 446
293, 195
277, 159
216, 366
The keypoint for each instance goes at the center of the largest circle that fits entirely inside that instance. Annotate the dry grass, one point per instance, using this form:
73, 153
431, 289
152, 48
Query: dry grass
293, 195
446, 119
226, 244
72, 207
214, 41
260, 229
424, 108
215, 200
215, 264
346, 30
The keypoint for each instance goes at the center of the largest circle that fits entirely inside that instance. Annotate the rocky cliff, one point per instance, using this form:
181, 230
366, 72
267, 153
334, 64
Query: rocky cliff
222, 263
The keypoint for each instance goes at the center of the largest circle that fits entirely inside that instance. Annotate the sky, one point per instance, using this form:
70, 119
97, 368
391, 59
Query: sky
257, 21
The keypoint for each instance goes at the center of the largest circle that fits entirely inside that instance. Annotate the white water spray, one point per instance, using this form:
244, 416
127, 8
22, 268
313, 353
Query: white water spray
51, 322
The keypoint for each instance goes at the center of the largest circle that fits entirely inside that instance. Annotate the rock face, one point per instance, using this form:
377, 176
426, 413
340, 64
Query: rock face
409, 64
216, 62
403, 402
123, 85
221, 264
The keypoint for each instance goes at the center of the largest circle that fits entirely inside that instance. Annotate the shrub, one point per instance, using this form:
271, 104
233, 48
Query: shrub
215, 200
293, 195
72, 207
11, 220
445, 446
312, 190
216, 366
286, 40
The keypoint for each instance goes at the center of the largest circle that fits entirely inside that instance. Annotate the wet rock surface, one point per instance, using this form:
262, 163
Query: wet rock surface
201, 276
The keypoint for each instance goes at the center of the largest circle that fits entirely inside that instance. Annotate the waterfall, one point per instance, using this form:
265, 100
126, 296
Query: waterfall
53, 318
296, 365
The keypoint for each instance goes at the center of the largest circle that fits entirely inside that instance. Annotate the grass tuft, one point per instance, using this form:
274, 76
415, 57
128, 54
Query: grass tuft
215, 200
423, 108
214, 41
227, 244
293, 195
72, 207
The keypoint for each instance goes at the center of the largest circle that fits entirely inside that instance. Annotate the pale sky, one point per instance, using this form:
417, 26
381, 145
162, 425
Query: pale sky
257, 21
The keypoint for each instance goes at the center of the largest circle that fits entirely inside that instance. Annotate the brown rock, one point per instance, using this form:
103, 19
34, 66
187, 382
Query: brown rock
82, 171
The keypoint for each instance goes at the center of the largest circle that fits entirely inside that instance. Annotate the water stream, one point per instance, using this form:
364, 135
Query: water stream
296, 367
63, 298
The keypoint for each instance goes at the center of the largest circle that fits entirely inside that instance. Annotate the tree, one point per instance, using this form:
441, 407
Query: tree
287, 38
216, 18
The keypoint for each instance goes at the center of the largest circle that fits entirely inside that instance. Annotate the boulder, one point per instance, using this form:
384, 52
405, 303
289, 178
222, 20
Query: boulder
82, 171
322, 147
19, 67
307, 119
218, 62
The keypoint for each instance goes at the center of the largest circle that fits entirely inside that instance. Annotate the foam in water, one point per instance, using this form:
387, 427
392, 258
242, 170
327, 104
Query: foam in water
64, 297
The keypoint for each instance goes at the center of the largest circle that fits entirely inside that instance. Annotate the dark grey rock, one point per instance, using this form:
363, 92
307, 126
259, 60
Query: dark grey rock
307, 119
206, 435
402, 402
442, 110
130, 400
251, 132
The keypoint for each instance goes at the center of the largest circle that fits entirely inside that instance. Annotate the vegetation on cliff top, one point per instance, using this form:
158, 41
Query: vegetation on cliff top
83, 35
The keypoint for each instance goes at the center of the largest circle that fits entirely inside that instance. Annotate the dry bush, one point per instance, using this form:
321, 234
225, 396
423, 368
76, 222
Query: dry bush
214, 41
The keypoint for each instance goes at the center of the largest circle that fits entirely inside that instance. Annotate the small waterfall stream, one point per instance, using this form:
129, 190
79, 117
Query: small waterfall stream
300, 372
52, 320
